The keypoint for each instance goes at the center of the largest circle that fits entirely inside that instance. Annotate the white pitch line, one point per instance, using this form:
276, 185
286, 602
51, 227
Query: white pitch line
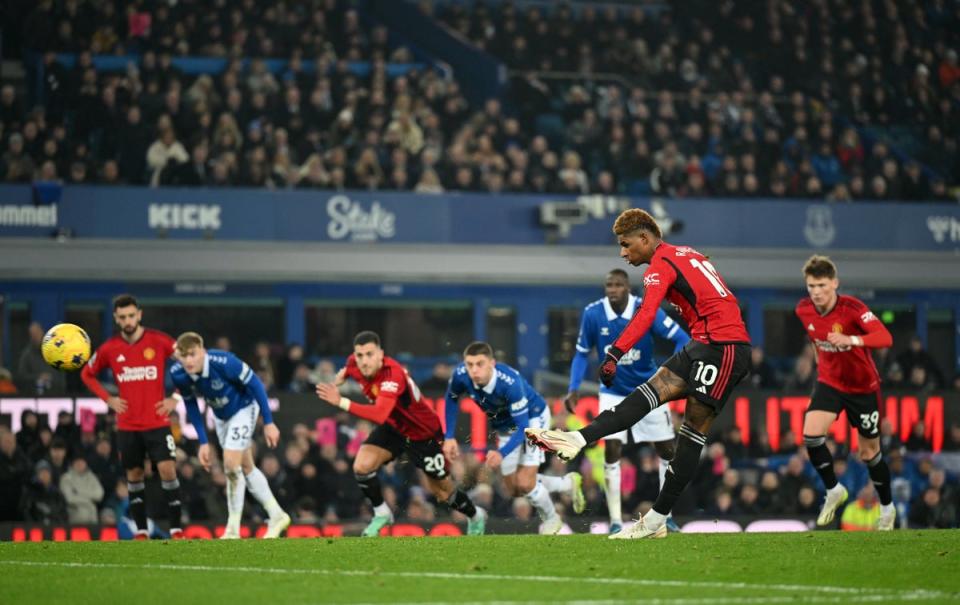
681, 601
853, 594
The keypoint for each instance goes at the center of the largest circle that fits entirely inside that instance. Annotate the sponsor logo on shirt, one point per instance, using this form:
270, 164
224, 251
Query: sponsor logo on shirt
868, 317
516, 406
137, 374
651, 279
389, 386
828, 347
604, 331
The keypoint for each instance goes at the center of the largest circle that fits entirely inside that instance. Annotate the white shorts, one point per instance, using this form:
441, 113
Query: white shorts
655, 426
236, 432
525, 454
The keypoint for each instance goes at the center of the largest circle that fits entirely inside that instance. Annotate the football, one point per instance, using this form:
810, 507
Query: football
66, 347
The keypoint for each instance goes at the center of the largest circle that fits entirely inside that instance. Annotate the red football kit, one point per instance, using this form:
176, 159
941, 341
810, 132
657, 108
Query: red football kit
687, 279
848, 369
397, 401
138, 369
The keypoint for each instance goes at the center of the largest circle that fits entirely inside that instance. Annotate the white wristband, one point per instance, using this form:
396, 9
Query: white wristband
344, 404
856, 341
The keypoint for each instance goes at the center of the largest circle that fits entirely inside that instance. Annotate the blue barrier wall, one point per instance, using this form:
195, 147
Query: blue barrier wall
327, 216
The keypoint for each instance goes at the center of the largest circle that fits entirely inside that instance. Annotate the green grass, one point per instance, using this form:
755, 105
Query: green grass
740, 569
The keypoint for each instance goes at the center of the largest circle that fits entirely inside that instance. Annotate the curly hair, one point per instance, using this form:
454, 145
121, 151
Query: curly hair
635, 219
819, 266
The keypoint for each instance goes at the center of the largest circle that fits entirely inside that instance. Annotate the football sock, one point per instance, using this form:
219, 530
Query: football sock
236, 490
880, 475
370, 486
259, 488
611, 477
539, 498
822, 460
171, 490
628, 412
138, 507
662, 471
556, 484
690, 443
461, 502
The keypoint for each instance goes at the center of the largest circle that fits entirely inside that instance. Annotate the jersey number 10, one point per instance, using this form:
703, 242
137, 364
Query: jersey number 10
706, 267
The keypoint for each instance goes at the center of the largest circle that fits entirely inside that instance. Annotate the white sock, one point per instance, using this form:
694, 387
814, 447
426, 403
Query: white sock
653, 519
236, 490
556, 484
259, 488
539, 498
611, 476
382, 510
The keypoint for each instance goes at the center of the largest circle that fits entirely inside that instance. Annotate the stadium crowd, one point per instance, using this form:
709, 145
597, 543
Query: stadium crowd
694, 112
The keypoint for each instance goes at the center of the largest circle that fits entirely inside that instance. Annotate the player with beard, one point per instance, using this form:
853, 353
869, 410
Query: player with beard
137, 356
407, 425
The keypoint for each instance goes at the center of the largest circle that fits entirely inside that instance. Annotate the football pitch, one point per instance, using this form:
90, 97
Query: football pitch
693, 569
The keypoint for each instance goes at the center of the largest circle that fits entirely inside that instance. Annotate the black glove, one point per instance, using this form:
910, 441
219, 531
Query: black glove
608, 369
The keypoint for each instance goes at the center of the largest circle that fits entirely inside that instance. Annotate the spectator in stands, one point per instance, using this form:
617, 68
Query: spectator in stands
43, 502
917, 356
15, 471
917, 442
951, 441
82, 491
762, 374
35, 377
28, 438
58, 458
861, 514
930, 511
803, 377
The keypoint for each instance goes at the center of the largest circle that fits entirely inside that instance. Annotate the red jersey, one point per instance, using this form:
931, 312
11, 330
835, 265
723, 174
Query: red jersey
397, 401
138, 370
687, 279
847, 369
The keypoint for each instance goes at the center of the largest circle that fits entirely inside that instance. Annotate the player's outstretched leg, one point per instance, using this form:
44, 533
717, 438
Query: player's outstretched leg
631, 410
570, 484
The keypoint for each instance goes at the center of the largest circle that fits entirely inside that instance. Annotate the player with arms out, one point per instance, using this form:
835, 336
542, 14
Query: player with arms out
602, 321
137, 357
406, 425
705, 371
237, 397
843, 330
512, 405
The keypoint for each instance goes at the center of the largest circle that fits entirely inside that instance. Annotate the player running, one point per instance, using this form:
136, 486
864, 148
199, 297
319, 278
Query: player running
137, 357
512, 405
237, 397
705, 371
843, 330
601, 323
406, 424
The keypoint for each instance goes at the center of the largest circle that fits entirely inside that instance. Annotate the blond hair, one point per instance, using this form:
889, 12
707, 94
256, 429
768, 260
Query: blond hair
188, 341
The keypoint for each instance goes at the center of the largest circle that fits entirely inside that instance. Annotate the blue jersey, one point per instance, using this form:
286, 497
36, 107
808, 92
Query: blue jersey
599, 327
508, 400
226, 384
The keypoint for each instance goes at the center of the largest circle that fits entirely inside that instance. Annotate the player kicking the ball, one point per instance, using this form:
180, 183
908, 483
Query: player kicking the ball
237, 397
705, 370
843, 330
407, 425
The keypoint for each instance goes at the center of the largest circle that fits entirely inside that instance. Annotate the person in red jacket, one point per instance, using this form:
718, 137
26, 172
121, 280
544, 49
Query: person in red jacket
407, 425
137, 356
843, 330
705, 371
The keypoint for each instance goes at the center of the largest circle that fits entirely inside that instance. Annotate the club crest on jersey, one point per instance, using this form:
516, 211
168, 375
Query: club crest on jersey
149, 353
216, 384
651, 279
836, 329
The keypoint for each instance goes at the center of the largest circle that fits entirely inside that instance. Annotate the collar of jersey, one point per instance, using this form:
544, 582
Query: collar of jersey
627, 313
488, 388
206, 368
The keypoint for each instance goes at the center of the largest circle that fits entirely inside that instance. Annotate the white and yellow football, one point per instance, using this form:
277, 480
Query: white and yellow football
66, 347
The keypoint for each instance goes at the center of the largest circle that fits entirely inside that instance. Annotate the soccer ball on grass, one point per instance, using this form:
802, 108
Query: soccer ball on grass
66, 347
